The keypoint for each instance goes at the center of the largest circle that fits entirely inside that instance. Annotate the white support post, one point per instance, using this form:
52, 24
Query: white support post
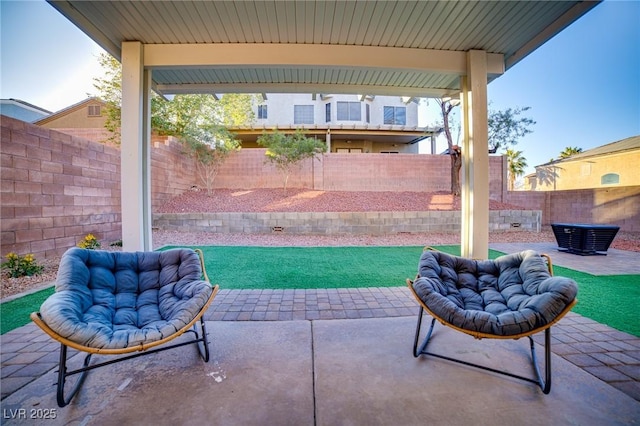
146, 162
475, 158
135, 155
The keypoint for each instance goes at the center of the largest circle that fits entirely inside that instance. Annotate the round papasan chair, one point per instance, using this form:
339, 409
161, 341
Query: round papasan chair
510, 297
113, 303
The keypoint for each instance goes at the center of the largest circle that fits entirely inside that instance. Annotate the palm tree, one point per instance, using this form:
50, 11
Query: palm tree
569, 151
516, 164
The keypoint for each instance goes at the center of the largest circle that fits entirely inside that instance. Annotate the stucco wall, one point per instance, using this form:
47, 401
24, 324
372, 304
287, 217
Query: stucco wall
280, 109
78, 117
588, 172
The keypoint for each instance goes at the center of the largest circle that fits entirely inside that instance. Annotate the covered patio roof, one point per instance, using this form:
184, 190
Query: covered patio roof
403, 48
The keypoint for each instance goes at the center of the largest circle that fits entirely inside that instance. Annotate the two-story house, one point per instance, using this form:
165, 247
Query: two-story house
347, 123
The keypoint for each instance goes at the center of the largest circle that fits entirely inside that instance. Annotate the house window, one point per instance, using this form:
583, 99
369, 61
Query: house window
349, 111
395, 115
262, 112
610, 179
303, 114
327, 112
367, 112
94, 111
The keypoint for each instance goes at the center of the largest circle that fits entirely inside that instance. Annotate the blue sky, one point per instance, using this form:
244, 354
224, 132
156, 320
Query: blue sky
583, 86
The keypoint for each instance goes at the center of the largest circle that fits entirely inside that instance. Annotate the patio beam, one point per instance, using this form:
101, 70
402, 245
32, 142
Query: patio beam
167, 56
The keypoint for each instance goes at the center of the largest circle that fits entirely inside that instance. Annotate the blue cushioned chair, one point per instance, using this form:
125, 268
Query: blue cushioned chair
510, 297
113, 303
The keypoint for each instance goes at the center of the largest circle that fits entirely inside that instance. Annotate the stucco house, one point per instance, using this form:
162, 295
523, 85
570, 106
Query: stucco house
613, 164
347, 123
83, 119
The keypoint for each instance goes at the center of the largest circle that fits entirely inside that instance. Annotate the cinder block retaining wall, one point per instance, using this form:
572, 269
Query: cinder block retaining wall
341, 222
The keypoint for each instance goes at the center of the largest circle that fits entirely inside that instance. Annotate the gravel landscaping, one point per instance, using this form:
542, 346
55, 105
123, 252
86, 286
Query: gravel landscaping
268, 200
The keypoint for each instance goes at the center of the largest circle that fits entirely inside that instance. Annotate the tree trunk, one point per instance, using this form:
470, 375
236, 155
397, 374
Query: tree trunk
286, 179
456, 165
454, 150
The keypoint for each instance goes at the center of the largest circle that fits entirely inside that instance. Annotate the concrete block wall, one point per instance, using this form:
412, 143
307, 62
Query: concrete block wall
498, 179
93, 134
247, 169
56, 188
172, 171
615, 206
328, 223
385, 172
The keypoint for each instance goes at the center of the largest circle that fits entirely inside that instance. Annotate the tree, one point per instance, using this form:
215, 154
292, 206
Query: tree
210, 154
516, 165
507, 127
184, 115
200, 121
109, 88
569, 151
287, 151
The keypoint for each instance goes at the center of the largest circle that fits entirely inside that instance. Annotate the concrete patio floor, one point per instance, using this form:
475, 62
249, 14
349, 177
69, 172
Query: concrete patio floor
316, 371
329, 372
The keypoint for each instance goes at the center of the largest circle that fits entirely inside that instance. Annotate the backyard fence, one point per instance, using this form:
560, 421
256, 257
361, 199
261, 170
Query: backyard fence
57, 188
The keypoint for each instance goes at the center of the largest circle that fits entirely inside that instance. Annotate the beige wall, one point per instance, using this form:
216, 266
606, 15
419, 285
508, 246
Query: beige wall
588, 172
77, 118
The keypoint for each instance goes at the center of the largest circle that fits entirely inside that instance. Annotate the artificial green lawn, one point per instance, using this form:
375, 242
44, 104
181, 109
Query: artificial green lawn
610, 300
15, 313
237, 267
